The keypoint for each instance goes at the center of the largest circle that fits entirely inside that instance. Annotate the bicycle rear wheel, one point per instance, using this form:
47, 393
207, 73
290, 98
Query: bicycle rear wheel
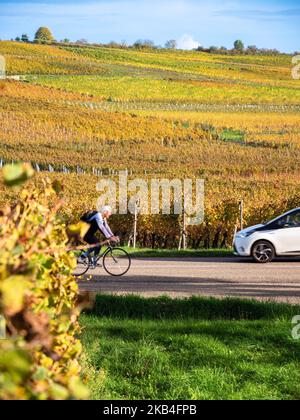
116, 262
83, 265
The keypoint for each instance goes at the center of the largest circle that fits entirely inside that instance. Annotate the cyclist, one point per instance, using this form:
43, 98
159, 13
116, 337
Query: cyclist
98, 222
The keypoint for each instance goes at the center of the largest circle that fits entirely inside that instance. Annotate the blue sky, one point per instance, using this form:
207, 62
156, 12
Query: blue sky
266, 23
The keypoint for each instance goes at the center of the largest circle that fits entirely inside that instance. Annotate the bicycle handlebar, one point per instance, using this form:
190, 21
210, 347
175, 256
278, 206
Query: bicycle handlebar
114, 242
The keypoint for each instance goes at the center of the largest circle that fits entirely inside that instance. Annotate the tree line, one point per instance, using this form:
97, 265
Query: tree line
44, 36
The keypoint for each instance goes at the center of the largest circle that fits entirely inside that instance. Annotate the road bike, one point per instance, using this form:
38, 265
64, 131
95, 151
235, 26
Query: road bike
115, 261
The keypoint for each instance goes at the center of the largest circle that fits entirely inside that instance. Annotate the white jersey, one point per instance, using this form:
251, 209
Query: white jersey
102, 225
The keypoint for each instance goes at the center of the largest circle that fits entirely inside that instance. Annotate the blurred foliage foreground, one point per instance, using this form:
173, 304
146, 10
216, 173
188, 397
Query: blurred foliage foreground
38, 297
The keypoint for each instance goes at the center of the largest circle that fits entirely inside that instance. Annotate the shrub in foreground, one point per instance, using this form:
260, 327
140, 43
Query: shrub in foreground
38, 294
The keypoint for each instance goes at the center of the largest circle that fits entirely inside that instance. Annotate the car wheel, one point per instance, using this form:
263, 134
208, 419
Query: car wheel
263, 252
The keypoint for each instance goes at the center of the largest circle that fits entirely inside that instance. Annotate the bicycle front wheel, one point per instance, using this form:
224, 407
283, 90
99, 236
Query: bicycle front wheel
116, 262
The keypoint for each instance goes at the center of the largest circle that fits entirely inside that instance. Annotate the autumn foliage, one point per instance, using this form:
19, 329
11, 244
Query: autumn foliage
38, 294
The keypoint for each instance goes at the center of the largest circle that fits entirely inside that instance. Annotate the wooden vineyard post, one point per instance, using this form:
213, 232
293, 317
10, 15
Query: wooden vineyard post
184, 231
136, 212
183, 234
241, 214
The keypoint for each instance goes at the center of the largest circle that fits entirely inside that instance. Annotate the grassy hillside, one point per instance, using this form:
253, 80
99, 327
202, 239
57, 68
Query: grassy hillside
158, 75
232, 120
194, 63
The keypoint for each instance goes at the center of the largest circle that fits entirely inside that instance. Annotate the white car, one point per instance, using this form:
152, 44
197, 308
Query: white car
279, 237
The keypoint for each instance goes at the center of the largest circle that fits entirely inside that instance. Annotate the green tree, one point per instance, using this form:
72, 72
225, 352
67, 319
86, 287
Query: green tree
252, 49
82, 41
43, 35
25, 38
171, 44
239, 45
213, 49
146, 44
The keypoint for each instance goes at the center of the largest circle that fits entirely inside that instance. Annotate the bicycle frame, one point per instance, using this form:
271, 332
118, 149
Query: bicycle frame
102, 254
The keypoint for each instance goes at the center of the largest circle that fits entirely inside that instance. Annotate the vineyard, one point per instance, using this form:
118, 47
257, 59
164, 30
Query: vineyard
81, 113
132, 88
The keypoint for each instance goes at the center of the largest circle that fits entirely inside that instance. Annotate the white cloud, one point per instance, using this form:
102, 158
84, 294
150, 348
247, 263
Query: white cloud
187, 42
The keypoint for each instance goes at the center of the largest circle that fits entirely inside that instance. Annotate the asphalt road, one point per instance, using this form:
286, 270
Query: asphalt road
218, 277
